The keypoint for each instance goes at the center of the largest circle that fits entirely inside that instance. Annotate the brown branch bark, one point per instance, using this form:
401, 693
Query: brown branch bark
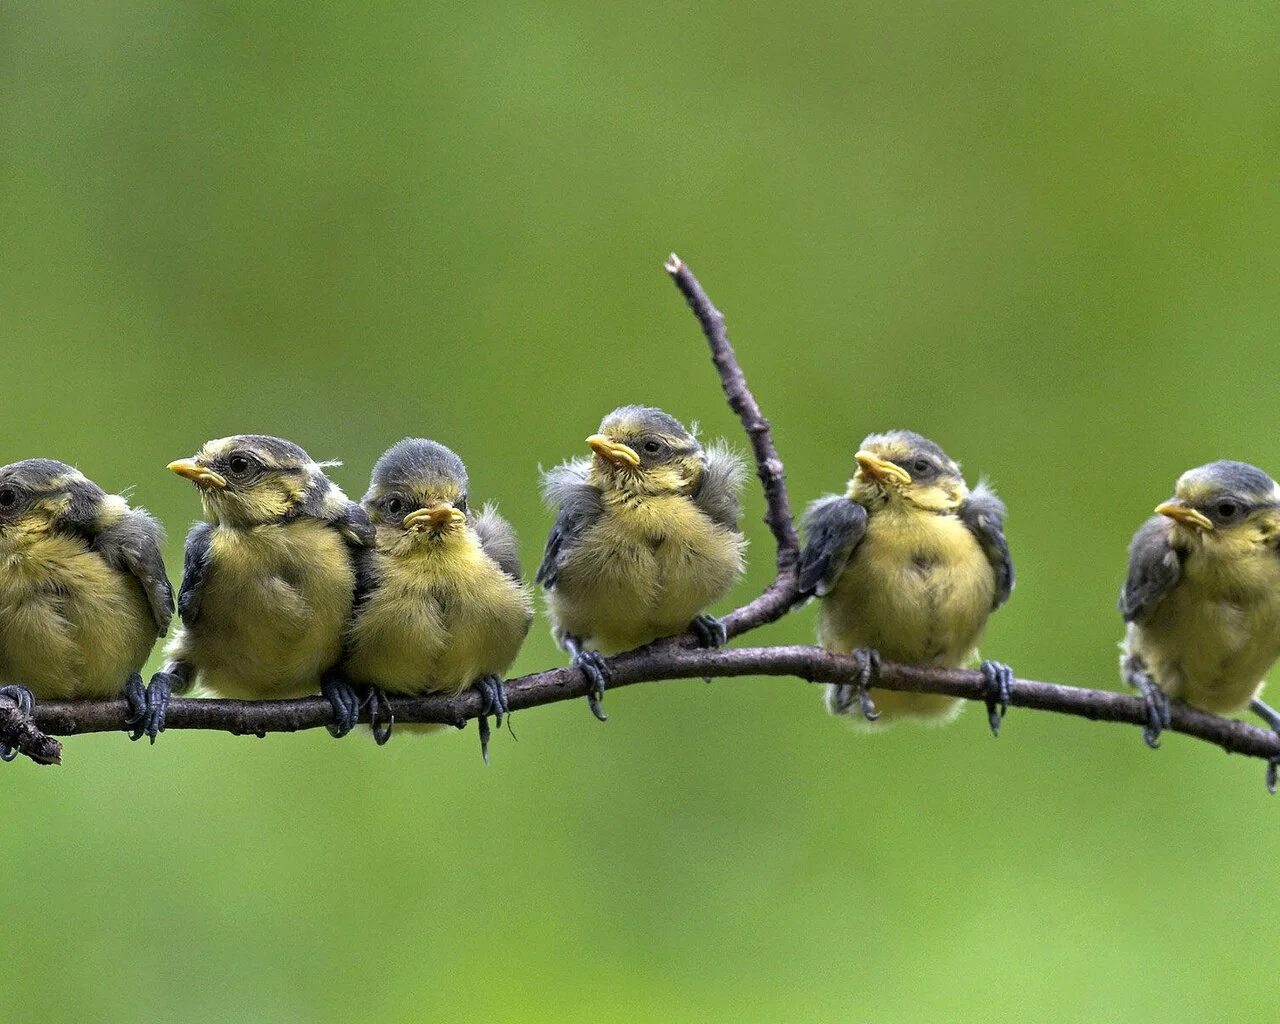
673, 658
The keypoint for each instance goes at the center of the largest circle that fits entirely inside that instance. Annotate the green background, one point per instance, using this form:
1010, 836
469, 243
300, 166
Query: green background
1045, 235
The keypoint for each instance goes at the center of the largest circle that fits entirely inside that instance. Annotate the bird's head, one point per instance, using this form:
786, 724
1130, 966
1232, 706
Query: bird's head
1224, 502
418, 494
644, 451
254, 479
904, 468
38, 496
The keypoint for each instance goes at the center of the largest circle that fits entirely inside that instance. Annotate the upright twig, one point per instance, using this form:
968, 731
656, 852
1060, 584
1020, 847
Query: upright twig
664, 659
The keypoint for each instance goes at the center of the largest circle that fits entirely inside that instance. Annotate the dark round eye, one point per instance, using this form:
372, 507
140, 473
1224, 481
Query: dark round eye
920, 466
7, 496
461, 503
1227, 509
653, 447
238, 464
394, 506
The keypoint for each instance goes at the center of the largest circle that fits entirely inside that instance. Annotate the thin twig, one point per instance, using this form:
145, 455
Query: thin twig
665, 659
781, 594
656, 663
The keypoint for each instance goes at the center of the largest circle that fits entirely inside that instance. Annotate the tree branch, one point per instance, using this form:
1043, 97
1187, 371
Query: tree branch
781, 594
672, 658
655, 663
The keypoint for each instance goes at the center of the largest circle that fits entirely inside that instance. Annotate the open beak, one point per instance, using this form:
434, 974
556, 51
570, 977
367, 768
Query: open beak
191, 470
434, 517
612, 451
1185, 515
881, 470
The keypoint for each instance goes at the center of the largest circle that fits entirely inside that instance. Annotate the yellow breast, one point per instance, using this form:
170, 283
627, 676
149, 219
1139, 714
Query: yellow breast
442, 616
645, 569
274, 607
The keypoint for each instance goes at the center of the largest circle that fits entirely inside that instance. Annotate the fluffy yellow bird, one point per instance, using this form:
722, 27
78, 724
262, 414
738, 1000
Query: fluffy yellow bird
440, 605
909, 564
83, 590
1202, 597
646, 537
268, 580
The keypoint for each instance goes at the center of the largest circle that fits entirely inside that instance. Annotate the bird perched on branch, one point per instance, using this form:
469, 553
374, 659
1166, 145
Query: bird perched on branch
268, 579
440, 606
646, 537
83, 590
1202, 597
909, 563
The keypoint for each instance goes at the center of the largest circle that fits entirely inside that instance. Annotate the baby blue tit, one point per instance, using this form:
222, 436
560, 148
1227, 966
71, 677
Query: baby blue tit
1202, 596
268, 579
646, 536
83, 590
440, 606
909, 564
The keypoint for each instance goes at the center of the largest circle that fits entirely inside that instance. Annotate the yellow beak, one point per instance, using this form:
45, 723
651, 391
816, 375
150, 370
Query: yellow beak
191, 470
881, 470
434, 517
613, 451
1185, 515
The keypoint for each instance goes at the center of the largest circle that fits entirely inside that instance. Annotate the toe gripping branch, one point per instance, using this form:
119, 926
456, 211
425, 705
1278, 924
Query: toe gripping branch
493, 701
21, 696
866, 669
999, 679
592, 665
1154, 698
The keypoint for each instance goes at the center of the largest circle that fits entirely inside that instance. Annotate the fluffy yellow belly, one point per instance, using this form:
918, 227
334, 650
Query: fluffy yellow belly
71, 626
919, 590
642, 573
273, 611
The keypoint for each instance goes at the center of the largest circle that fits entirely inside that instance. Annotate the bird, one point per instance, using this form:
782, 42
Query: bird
440, 605
645, 538
909, 563
268, 580
1201, 597
83, 591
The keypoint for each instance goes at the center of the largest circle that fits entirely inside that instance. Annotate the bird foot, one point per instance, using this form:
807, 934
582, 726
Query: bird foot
135, 692
592, 665
1157, 705
493, 701
999, 680
22, 697
151, 722
339, 692
866, 668
1269, 715
709, 630
382, 718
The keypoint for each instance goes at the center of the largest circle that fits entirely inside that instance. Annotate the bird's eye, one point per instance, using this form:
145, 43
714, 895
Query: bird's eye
653, 447
394, 506
920, 466
1227, 509
7, 497
238, 464
461, 503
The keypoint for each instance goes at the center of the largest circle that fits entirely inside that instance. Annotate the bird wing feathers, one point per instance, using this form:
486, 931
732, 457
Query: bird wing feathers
833, 526
195, 571
133, 545
1154, 569
578, 506
499, 541
983, 513
718, 494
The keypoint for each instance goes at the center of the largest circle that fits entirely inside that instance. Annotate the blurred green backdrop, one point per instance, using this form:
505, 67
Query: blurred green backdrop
1045, 235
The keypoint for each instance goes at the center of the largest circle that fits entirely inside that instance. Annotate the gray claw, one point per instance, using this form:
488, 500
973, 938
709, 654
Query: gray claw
999, 679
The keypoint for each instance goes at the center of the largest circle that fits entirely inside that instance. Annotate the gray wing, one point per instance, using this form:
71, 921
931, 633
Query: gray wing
134, 545
565, 488
719, 492
325, 500
983, 513
1154, 569
833, 528
499, 541
195, 572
